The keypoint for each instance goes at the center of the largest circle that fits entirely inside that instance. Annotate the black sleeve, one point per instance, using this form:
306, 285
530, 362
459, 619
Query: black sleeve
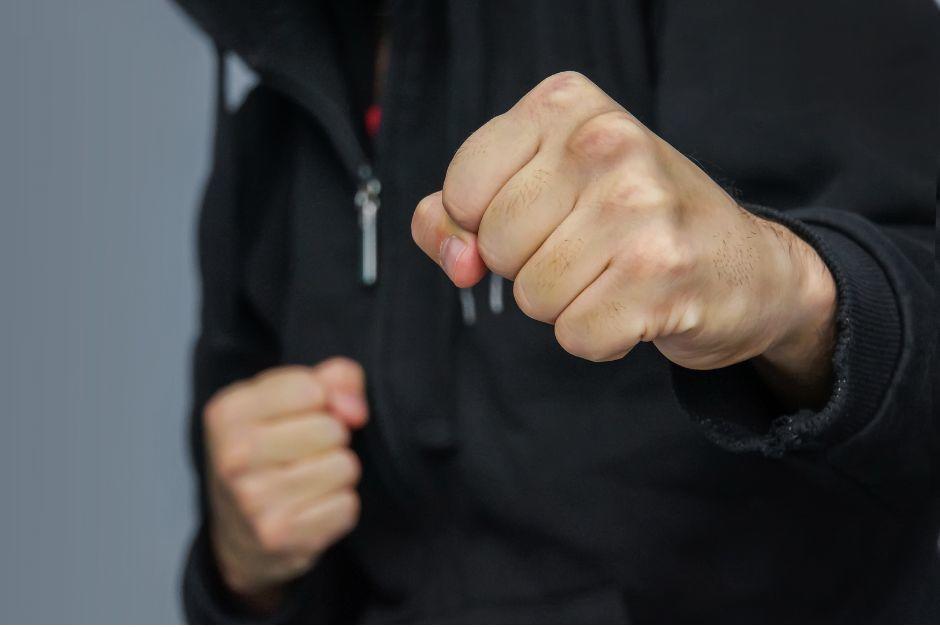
237, 339
878, 425
316, 597
830, 113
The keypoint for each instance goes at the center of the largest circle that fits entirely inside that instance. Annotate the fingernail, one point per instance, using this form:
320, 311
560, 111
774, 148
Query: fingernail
451, 250
350, 405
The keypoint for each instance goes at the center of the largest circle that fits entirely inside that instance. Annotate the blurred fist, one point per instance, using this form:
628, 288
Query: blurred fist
281, 474
615, 238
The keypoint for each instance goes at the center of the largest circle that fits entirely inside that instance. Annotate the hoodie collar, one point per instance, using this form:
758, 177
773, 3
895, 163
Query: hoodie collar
291, 45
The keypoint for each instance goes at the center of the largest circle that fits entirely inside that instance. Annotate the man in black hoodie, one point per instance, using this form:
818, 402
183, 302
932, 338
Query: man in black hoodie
730, 415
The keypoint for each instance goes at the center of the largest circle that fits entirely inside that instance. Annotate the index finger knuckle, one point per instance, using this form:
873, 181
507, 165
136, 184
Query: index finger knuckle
231, 457
607, 135
250, 495
271, 532
297, 382
596, 333
349, 369
574, 338
349, 505
496, 254
227, 405
560, 92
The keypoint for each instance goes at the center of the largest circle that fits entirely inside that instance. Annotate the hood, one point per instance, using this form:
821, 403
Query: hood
291, 46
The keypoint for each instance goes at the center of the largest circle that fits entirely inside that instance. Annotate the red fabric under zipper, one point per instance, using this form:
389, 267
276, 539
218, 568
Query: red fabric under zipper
373, 120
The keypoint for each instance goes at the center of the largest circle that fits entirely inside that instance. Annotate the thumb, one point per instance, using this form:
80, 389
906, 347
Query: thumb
451, 247
344, 381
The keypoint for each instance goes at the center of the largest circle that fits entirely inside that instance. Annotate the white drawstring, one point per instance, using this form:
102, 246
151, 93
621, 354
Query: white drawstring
496, 293
468, 303
468, 306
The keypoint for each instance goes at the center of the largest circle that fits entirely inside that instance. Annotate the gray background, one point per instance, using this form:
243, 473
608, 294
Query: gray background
105, 124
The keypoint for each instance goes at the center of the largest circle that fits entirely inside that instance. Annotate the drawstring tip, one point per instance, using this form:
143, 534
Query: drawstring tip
496, 294
468, 306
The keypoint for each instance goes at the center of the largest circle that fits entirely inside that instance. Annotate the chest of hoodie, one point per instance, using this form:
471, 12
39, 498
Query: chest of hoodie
410, 328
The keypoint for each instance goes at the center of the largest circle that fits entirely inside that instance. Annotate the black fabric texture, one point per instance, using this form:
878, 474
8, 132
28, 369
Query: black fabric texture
505, 480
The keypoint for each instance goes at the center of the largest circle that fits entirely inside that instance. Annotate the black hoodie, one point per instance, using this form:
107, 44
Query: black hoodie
505, 480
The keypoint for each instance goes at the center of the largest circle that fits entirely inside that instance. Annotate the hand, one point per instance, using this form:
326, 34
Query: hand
281, 475
616, 238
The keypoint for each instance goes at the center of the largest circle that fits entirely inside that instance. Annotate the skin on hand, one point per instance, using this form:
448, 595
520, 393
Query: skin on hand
281, 475
615, 238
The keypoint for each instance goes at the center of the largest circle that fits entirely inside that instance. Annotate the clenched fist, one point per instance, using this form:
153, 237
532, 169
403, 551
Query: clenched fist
281, 475
616, 238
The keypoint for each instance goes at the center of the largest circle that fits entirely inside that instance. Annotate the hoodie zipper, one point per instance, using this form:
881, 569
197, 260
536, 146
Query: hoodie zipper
402, 478
367, 201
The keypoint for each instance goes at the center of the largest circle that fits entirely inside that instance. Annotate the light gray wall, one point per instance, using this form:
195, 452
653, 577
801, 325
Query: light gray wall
105, 115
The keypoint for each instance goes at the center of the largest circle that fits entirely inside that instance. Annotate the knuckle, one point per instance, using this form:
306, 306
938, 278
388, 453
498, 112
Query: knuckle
231, 458
347, 509
350, 466
526, 292
271, 533
297, 378
607, 135
691, 319
422, 220
351, 369
591, 336
639, 259
350, 505
636, 198
249, 496
619, 199
561, 91
570, 337
544, 272
219, 410
282, 373
680, 261
657, 196
334, 433
300, 382
494, 254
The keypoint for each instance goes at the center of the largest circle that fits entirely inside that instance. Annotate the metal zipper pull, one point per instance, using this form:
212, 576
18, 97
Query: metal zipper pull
367, 203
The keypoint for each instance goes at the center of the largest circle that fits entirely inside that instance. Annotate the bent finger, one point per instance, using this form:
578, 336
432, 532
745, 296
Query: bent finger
446, 243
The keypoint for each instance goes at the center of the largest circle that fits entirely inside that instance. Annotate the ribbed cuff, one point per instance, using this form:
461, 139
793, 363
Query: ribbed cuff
738, 412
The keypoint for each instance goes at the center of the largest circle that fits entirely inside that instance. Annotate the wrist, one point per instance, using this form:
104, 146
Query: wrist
811, 309
797, 362
260, 596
